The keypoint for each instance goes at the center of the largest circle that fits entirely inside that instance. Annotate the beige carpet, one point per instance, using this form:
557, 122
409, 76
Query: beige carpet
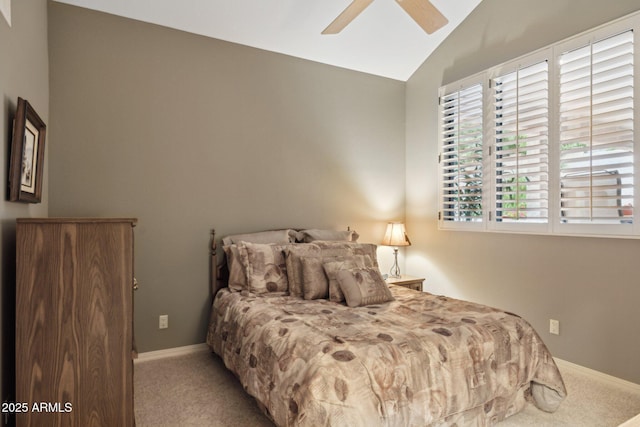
197, 390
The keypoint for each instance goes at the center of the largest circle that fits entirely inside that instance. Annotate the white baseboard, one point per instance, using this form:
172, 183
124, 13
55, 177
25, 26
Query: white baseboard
597, 375
171, 352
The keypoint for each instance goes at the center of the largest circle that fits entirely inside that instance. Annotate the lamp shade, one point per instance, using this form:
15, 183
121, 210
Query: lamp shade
396, 235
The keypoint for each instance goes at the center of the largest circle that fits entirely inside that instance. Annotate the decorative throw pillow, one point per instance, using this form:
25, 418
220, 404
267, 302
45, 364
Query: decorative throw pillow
237, 271
311, 235
321, 249
294, 253
331, 267
363, 286
315, 284
265, 267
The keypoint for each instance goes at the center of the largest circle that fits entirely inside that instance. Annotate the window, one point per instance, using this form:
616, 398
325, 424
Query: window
546, 143
521, 110
461, 157
596, 132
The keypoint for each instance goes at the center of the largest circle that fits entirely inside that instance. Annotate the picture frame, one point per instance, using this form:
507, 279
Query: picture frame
26, 168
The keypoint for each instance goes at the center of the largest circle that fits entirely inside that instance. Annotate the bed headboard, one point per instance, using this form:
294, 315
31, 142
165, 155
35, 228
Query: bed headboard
217, 274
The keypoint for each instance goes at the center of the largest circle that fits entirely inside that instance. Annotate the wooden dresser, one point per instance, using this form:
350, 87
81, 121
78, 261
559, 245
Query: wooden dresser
74, 322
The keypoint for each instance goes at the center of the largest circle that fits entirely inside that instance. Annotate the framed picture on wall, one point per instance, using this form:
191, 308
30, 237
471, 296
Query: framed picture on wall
27, 155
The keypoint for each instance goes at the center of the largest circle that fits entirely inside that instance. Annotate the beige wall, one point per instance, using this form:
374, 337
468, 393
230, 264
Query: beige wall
590, 285
188, 133
24, 71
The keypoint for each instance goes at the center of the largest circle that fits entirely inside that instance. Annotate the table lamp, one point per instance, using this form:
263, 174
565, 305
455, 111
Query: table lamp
396, 235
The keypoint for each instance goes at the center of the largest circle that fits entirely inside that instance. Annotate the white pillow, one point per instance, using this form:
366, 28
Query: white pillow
274, 236
308, 236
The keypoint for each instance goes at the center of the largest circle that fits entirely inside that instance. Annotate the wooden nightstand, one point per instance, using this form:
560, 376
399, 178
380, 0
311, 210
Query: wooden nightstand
410, 282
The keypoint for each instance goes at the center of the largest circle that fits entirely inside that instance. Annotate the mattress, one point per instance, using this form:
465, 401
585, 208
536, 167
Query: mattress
419, 360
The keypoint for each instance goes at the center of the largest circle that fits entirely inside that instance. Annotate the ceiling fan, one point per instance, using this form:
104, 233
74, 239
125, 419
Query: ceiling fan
422, 11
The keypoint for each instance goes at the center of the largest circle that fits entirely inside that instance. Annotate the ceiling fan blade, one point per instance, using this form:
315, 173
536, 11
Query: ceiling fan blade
347, 15
425, 14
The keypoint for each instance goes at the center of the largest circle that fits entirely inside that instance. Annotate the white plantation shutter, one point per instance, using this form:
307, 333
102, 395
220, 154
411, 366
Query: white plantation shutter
461, 157
597, 132
545, 143
521, 154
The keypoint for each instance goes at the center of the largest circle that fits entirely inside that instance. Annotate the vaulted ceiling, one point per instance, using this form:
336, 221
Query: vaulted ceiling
383, 40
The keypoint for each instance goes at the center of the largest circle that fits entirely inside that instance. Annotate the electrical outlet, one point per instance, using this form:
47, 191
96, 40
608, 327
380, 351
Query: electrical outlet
554, 326
163, 321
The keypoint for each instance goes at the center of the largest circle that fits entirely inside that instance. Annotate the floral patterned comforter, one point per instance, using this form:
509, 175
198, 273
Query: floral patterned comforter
419, 360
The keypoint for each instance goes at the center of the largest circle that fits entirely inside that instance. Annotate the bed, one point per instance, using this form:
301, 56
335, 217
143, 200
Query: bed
313, 351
